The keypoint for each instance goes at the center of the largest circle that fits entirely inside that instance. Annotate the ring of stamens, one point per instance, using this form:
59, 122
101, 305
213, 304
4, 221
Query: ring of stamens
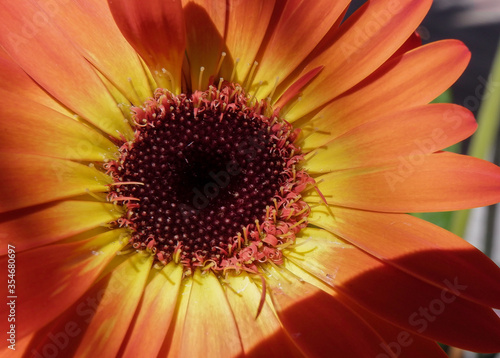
210, 180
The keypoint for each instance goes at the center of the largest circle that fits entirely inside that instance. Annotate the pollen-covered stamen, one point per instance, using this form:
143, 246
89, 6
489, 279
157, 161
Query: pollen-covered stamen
210, 181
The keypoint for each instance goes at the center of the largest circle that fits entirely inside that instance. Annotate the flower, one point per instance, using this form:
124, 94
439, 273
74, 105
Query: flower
211, 178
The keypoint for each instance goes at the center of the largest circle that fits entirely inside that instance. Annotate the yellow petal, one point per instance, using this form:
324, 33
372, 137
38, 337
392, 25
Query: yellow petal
54, 221
30, 180
155, 312
112, 318
209, 326
261, 336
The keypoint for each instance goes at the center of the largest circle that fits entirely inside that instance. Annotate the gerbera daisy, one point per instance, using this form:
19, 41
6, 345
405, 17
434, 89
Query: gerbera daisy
207, 178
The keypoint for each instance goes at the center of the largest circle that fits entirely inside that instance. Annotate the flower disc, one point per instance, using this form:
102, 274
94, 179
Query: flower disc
202, 173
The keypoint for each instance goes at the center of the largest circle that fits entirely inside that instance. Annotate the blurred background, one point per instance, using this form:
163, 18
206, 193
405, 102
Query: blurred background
477, 24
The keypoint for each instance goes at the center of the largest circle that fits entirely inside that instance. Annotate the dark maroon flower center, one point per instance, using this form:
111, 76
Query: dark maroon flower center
202, 170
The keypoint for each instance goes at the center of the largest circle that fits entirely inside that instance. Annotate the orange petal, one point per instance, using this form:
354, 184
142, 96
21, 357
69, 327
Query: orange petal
156, 31
420, 130
37, 226
324, 44
120, 297
393, 340
244, 36
400, 342
21, 344
63, 335
310, 315
361, 46
205, 27
407, 302
415, 183
92, 29
299, 28
209, 326
172, 345
34, 42
16, 83
413, 79
431, 254
387, 346
35, 123
154, 313
30, 180
294, 89
412, 43
54, 277
261, 336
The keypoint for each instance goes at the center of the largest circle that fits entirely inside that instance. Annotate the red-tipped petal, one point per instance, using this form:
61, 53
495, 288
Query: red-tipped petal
63, 334
297, 30
91, 28
172, 344
260, 336
415, 183
21, 345
422, 130
412, 43
156, 31
51, 278
112, 317
205, 27
399, 341
296, 87
30, 180
154, 313
27, 125
389, 236
361, 46
41, 225
209, 326
35, 43
437, 253
16, 83
413, 79
246, 26
439, 314
310, 315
